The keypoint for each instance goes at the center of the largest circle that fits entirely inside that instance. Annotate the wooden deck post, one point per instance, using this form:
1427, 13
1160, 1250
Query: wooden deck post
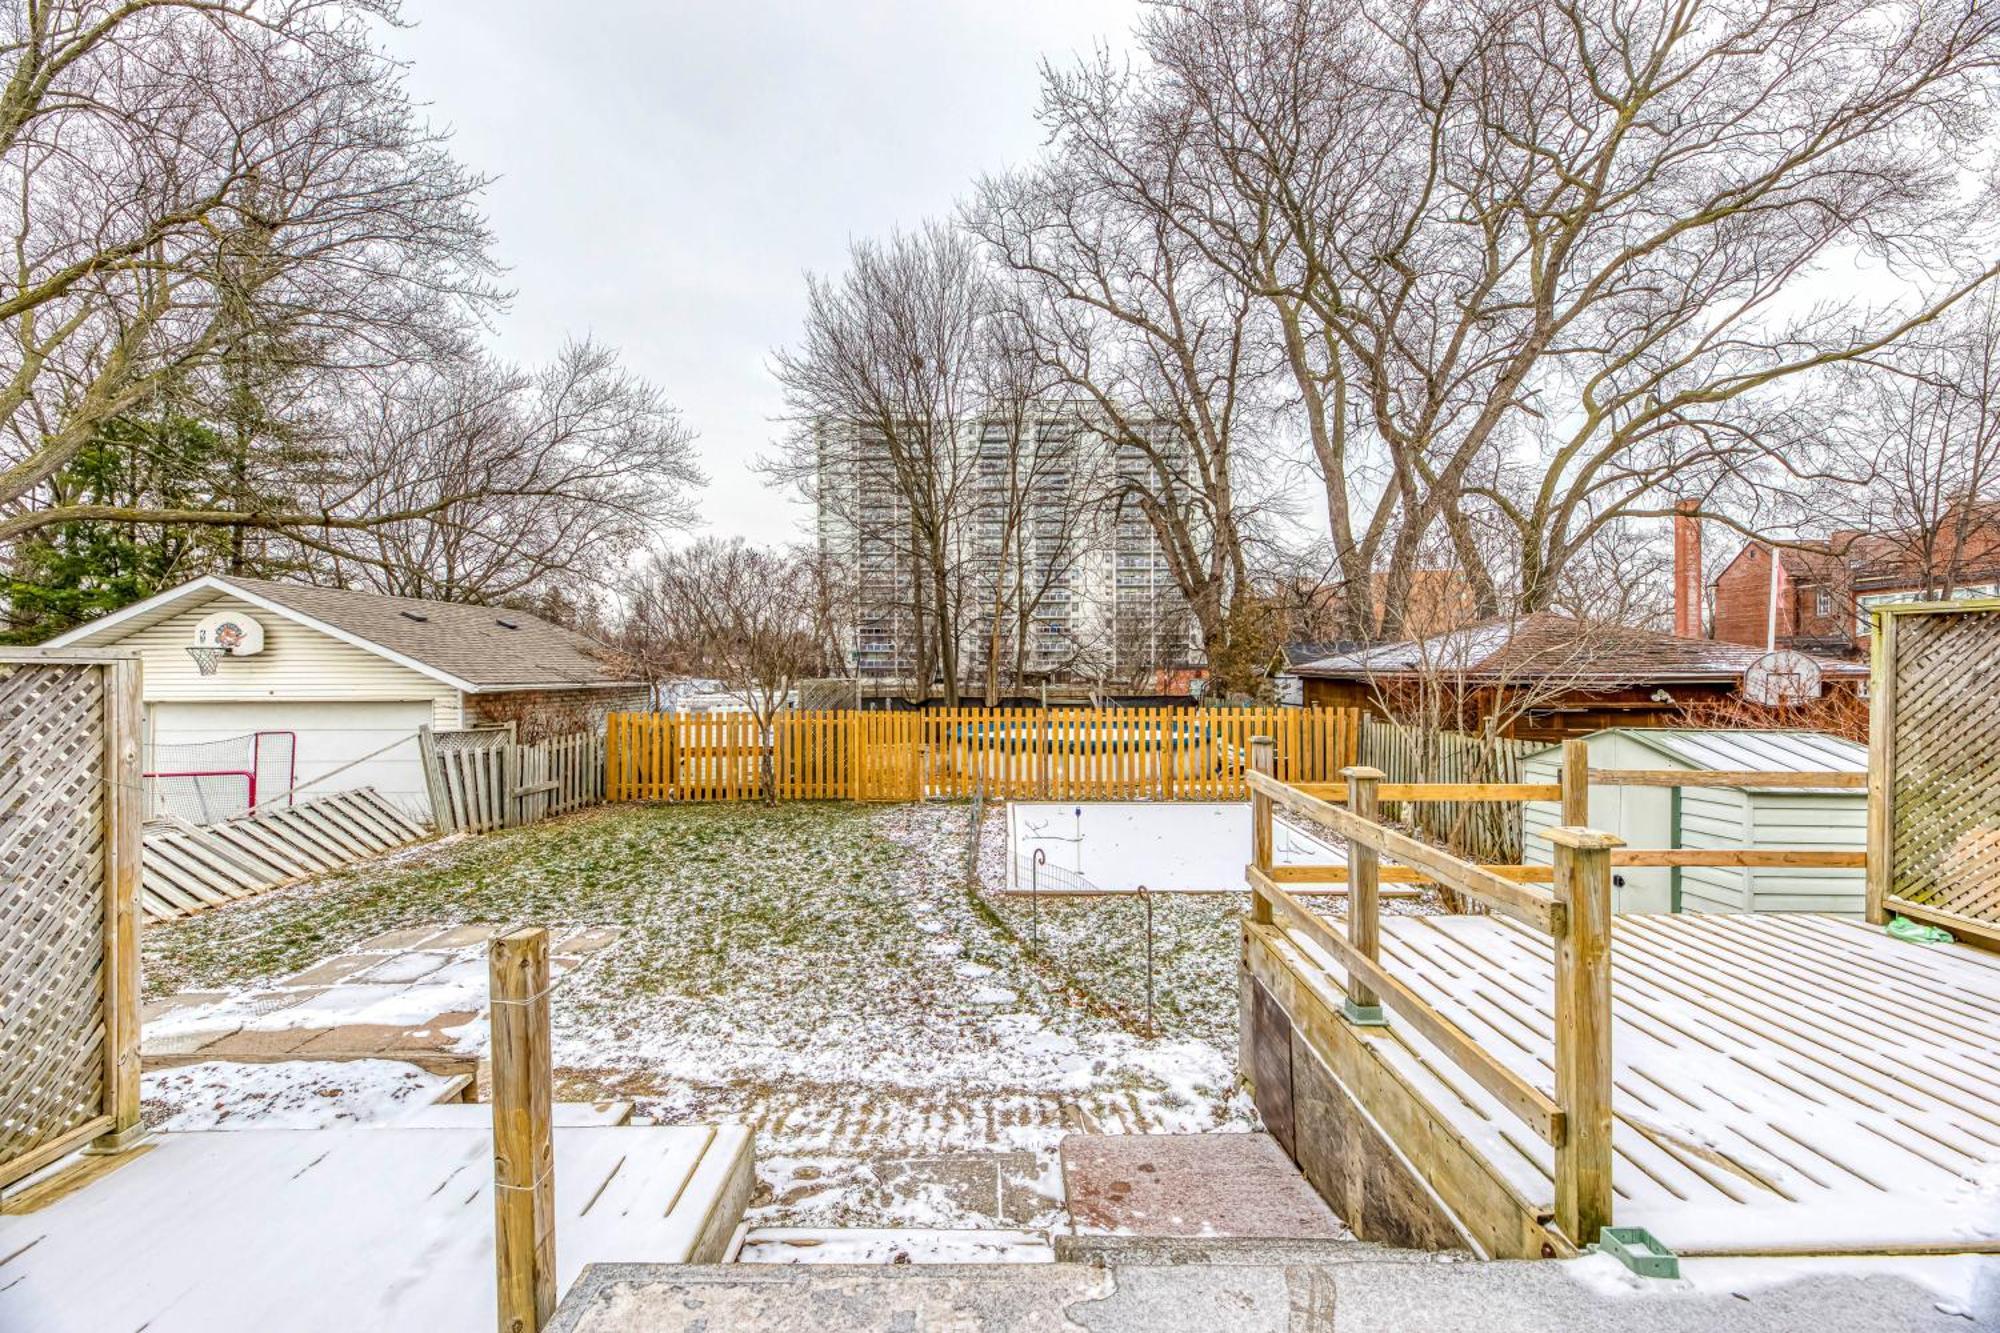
524, 1180
1881, 764
1583, 1030
1263, 759
1575, 780
124, 812
1364, 919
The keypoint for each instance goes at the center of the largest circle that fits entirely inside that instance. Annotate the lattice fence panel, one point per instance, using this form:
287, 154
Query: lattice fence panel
52, 915
1945, 818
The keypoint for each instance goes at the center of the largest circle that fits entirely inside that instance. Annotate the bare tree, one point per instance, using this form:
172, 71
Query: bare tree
741, 614
1918, 449
1134, 320
1549, 266
209, 200
882, 386
528, 483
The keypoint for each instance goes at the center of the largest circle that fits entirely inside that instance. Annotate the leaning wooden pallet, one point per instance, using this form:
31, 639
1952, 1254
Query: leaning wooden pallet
190, 868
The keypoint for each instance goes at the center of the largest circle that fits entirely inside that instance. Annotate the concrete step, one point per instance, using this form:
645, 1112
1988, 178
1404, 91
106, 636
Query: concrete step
1378, 1294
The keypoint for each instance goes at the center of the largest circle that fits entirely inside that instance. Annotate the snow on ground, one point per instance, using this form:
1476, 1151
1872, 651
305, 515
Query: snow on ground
1966, 1285
881, 1245
289, 1094
825, 973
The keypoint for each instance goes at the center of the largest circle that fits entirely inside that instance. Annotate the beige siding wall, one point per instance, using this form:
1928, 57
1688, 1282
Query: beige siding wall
297, 663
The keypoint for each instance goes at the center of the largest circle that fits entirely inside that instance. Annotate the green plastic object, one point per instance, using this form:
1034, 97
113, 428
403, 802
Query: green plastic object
1364, 1015
1640, 1251
1916, 932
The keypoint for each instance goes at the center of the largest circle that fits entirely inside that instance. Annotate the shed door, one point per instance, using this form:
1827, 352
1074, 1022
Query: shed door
329, 734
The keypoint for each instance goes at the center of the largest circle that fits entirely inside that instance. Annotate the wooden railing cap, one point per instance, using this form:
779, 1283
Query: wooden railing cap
1584, 839
1363, 773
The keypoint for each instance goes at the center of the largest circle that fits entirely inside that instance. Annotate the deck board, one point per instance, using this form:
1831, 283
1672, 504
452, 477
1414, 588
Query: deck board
1780, 1082
344, 1228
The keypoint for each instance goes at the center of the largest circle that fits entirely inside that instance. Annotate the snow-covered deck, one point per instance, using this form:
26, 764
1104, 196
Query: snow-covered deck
350, 1228
1782, 1083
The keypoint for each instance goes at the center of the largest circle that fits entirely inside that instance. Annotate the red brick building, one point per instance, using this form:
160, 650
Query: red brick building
1823, 590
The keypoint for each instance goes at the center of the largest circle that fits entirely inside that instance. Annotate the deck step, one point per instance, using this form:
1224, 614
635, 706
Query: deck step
1385, 1292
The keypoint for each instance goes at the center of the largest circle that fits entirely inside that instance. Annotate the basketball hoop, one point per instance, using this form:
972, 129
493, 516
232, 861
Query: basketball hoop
206, 657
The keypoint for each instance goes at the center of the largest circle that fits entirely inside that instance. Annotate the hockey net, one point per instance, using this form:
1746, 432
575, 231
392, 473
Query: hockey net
205, 782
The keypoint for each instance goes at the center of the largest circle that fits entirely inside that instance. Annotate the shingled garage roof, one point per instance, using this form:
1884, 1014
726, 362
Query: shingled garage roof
1548, 643
490, 648
479, 648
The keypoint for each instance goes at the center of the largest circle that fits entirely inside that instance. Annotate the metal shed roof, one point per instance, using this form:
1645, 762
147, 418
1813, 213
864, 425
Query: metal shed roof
1758, 751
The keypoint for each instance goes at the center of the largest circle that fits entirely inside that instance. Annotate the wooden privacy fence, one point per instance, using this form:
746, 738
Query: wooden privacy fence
1405, 754
1934, 760
70, 806
483, 779
1164, 754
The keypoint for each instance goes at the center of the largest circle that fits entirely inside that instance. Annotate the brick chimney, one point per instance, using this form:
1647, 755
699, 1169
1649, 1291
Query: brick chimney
1687, 570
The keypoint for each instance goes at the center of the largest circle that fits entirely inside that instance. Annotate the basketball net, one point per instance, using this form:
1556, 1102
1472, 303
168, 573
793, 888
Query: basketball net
206, 658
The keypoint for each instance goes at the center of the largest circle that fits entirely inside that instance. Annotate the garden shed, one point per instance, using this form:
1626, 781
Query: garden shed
1795, 818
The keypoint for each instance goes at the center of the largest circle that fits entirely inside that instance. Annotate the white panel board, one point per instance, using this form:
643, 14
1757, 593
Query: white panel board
1121, 845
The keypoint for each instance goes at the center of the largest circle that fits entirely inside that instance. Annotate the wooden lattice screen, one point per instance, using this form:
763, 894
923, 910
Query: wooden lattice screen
1934, 788
70, 809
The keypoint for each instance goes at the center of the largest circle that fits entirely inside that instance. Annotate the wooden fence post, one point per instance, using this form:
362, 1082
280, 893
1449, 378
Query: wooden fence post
427, 753
509, 812
1583, 1030
124, 812
524, 1189
1263, 759
1364, 921
1881, 765
1575, 782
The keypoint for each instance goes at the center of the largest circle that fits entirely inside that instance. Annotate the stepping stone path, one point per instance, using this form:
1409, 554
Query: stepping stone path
403, 995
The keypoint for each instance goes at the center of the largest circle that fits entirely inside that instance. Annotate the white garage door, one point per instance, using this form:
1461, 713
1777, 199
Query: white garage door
329, 735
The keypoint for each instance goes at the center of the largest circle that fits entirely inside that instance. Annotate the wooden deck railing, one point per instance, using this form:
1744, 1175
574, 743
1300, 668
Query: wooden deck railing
1574, 911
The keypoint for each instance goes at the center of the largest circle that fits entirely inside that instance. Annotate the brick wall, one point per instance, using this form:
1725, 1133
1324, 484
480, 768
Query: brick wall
1815, 603
1742, 597
538, 714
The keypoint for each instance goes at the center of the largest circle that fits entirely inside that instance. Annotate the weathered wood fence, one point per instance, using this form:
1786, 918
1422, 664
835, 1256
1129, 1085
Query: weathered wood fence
483, 779
1165, 754
1405, 755
190, 868
70, 807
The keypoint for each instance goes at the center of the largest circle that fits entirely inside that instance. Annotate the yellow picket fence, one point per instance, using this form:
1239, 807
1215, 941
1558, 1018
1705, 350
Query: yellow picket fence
1167, 754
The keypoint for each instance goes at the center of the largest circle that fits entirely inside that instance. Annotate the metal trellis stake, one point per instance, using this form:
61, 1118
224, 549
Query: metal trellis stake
1146, 897
1035, 898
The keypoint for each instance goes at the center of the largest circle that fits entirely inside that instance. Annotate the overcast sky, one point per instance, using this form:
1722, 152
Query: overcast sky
667, 173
